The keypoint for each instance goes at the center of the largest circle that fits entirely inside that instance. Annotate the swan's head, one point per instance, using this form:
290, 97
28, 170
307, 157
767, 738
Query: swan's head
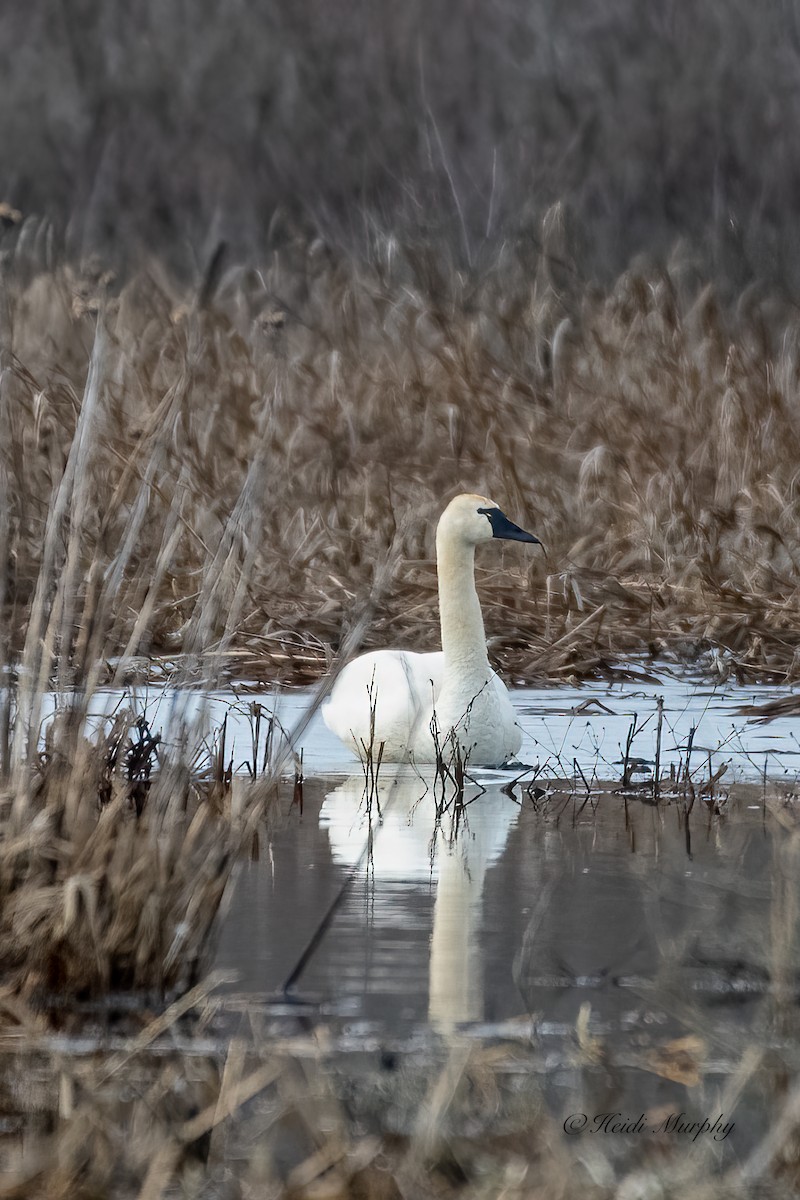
474, 519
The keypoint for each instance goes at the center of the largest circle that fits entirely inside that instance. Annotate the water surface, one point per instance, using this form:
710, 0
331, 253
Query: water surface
587, 725
635, 950
634, 965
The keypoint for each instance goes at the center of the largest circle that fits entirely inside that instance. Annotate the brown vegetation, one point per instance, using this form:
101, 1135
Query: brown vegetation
250, 466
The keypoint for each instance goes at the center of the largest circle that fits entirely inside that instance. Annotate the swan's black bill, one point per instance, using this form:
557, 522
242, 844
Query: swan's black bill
505, 529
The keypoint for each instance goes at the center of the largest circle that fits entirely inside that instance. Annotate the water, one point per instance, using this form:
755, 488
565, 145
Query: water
500, 912
517, 904
563, 726
631, 955
513, 905
631, 967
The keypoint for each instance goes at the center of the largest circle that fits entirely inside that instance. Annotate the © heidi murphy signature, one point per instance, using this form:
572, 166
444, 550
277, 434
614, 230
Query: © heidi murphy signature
675, 1123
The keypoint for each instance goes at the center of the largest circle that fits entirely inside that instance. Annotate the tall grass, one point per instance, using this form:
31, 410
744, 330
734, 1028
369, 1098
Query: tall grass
113, 862
226, 467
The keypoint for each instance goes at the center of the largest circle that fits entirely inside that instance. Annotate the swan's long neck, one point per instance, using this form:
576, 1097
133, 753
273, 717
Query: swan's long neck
463, 636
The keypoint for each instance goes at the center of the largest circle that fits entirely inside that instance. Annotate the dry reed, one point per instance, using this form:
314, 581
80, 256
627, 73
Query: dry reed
247, 475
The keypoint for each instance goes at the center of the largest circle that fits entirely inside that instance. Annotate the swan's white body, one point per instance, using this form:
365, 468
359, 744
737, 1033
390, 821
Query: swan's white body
456, 685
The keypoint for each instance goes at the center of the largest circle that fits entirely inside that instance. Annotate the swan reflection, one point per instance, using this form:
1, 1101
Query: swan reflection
401, 833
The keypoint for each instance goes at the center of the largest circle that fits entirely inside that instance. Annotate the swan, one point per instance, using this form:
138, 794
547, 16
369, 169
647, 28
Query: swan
455, 685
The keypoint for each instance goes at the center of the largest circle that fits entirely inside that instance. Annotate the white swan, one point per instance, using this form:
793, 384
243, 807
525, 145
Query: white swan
456, 684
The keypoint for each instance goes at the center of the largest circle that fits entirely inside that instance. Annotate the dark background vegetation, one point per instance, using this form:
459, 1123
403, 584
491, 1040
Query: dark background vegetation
176, 124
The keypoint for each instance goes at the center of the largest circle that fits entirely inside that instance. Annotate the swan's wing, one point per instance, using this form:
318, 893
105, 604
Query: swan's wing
425, 673
399, 684
506, 707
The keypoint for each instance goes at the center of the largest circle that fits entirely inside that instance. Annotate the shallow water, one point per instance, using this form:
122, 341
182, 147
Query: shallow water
633, 966
516, 904
499, 910
586, 725
631, 955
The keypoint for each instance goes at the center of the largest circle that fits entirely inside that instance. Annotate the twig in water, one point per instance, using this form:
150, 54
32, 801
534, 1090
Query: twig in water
371, 764
627, 765
688, 786
297, 793
657, 772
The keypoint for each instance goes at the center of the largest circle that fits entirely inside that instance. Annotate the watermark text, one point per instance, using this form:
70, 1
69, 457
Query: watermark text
676, 1124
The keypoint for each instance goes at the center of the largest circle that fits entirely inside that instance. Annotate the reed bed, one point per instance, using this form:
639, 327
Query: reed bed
257, 448
117, 841
461, 122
